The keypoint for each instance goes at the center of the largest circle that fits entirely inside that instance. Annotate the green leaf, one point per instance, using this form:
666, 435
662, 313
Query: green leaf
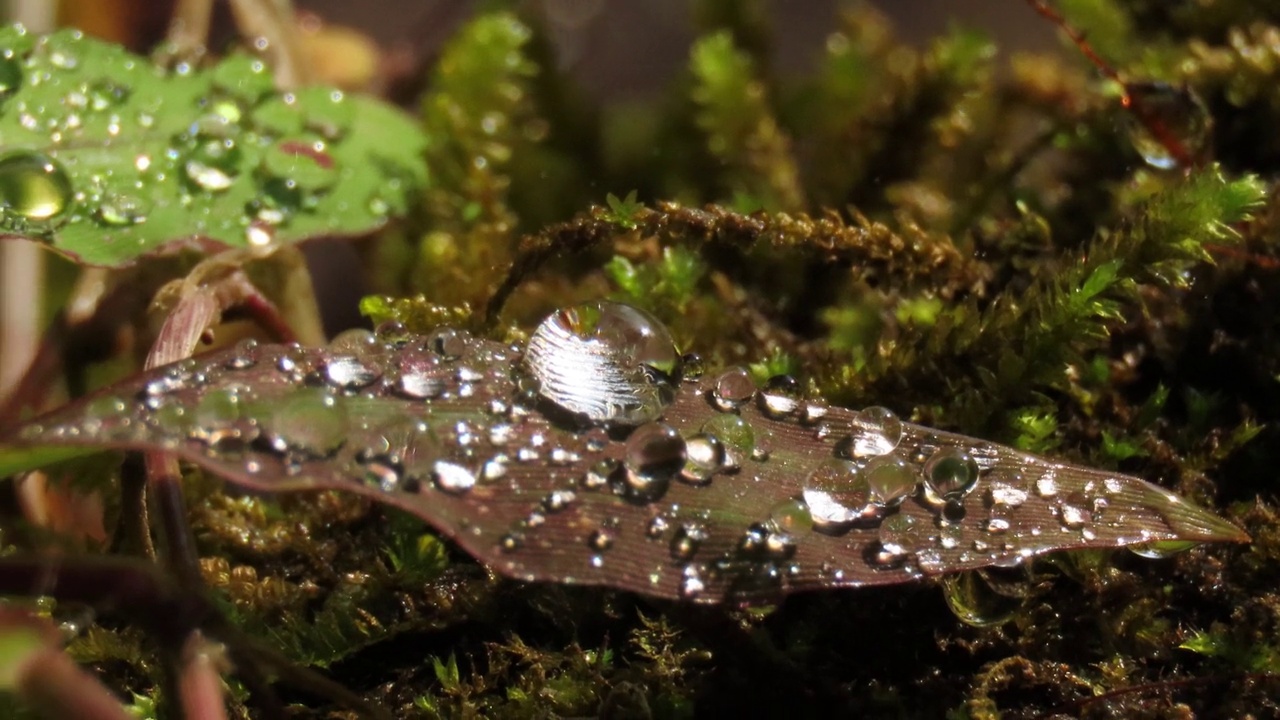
106, 157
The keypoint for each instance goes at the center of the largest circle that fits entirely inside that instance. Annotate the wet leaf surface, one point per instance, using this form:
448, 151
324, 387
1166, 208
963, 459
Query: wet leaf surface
733, 493
107, 157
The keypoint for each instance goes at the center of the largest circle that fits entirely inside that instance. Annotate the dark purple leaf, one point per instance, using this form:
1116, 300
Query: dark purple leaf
731, 494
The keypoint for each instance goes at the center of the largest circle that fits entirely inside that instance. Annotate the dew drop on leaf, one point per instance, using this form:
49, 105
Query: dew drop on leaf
11, 73
876, 431
310, 421
781, 396
213, 164
891, 479
706, 456
838, 495
120, 210
735, 433
654, 454
606, 362
901, 533
949, 475
300, 164
33, 186
452, 477
732, 388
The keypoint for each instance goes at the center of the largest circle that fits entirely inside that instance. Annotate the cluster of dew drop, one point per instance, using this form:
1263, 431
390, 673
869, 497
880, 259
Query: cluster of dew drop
240, 161
548, 458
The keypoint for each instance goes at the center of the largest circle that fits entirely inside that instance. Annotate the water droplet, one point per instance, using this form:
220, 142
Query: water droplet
891, 480
349, 372
781, 396
303, 165
691, 584
976, 601
691, 366
1169, 126
706, 455
790, 517
213, 164
447, 343
119, 210
876, 431
383, 471
687, 540
600, 539
732, 388
656, 527
104, 94
838, 495
901, 533
736, 434
1003, 495
1161, 549
653, 454
949, 475
419, 377
604, 361
34, 187
1047, 485
452, 477
1073, 511
558, 500
511, 541
11, 75
310, 421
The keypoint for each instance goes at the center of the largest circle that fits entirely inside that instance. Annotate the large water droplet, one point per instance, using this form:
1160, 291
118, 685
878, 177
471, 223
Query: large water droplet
891, 480
213, 164
838, 495
606, 362
977, 601
876, 431
349, 372
732, 388
452, 477
653, 454
949, 475
901, 533
310, 421
736, 434
303, 164
119, 210
781, 396
790, 516
706, 456
11, 73
33, 186
1169, 126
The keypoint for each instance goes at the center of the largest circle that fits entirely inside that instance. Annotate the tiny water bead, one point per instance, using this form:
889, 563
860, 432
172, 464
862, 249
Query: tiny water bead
452, 477
606, 362
735, 433
34, 187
